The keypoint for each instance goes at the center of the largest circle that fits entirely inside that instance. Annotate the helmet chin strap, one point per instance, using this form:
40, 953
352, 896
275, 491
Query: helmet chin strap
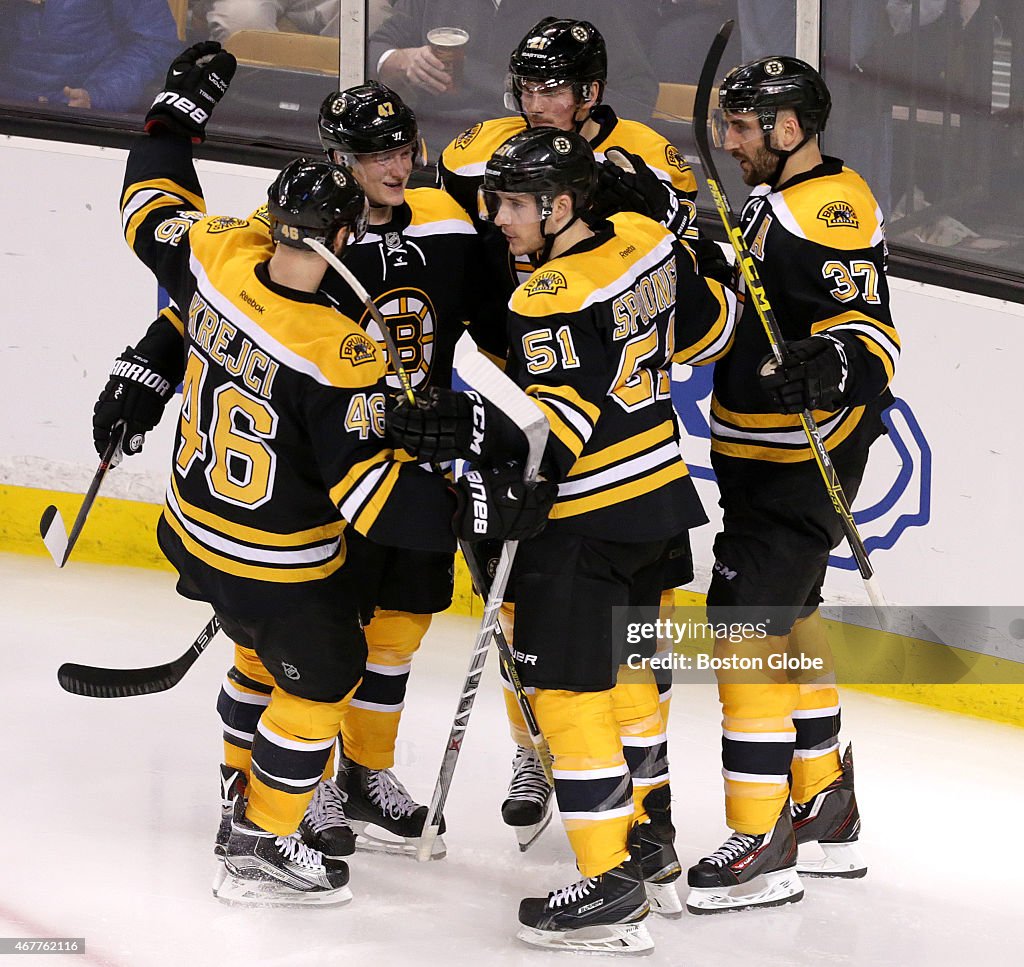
781, 153
549, 237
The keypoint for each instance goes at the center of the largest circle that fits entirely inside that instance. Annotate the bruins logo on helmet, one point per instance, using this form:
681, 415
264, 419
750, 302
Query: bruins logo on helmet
222, 223
675, 159
580, 33
774, 67
468, 136
547, 282
339, 177
839, 214
357, 349
562, 145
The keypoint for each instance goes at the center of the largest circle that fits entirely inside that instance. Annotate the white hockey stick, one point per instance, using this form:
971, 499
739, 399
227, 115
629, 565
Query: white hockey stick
493, 384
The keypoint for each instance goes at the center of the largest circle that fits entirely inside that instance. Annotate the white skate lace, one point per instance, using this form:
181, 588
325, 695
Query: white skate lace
325, 808
572, 892
389, 795
734, 846
297, 852
528, 780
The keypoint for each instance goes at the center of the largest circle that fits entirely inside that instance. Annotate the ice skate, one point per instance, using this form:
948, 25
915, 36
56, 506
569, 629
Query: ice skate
658, 861
232, 787
325, 827
598, 914
748, 871
385, 817
264, 869
831, 819
527, 807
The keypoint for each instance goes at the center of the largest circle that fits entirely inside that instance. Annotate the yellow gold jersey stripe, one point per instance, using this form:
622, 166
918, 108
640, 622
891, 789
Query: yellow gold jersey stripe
341, 491
621, 493
371, 508
169, 313
567, 393
625, 448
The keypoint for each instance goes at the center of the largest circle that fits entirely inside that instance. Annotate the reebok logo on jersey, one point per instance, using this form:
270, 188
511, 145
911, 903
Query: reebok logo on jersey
478, 495
357, 349
476, 441
250, 301
546, 282
839, 214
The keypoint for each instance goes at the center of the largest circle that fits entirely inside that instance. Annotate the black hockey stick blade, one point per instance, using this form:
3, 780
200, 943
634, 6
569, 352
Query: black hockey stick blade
702, 100
95, 682
51, 524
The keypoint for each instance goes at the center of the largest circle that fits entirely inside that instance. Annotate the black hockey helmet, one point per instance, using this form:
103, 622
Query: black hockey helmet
545, 162
315, 198
555, 52
366, 119
765, 85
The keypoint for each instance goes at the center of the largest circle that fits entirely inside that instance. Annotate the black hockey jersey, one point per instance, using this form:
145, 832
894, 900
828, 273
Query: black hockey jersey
460, 169
819, 244
282, 419
592, 334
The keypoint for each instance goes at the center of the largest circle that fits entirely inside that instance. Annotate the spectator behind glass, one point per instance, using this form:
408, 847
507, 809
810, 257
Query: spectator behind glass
225, 17
97, 54
400, 57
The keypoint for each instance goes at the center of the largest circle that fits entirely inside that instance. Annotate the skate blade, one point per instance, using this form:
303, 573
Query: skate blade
237, 891
614, 938
373, 839
219, 876
528, 835
664, 899
768, 890
839, 860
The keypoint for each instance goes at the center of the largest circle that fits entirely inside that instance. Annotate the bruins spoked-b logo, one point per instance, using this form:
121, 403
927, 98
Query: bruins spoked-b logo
580, 33
839, 214
357, 349
774, 67
339, 177
546, 282
562, 145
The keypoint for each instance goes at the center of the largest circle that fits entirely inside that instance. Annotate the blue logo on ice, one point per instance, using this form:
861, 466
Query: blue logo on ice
903, 457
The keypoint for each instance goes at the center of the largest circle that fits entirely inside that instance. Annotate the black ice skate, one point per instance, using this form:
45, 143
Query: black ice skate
384, 816
748, 871
232, 787
324, 827
658, 861
832, 820
598, 914
263, 869
527, 807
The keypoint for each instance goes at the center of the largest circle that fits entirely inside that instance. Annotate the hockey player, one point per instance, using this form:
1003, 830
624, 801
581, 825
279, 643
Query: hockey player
275, 460
816, 232
420, 260
591, 335
557, 77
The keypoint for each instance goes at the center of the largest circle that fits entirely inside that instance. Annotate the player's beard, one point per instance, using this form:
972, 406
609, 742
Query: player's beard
761, 166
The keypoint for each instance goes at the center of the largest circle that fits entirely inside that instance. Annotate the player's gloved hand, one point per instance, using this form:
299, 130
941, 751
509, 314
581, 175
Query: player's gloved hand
814, 376
496, 503
438, 427
626, 183
196, 81
135, 393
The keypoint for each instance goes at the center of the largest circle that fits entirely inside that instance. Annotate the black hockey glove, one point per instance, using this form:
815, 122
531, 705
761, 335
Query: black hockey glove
626, 183
814, 376
135, 393
445, 425
196, 81
496, 503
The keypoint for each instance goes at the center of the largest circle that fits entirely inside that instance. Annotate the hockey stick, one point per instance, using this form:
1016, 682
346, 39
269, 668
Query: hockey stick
493, 384
124, 682
464, 353
51, 525
767, 316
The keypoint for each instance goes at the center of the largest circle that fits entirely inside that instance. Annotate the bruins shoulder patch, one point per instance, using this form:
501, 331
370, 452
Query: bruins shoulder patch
468, 136
675, 159
545, 282
839, 214
357, 349
224, 223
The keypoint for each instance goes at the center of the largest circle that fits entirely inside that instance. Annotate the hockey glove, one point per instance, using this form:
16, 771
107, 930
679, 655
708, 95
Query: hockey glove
496, 503
196, 81
445, 425
135, 393
626, 183
814, 376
